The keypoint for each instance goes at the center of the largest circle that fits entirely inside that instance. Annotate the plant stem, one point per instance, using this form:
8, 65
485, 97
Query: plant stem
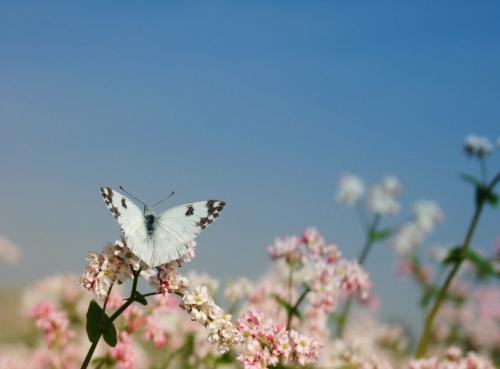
443, 292
296, 306
113, 317
344, 315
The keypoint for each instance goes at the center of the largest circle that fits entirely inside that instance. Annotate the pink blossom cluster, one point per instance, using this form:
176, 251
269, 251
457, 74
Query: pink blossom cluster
267, 344
114, 264
123, 353
53, 323
452, 359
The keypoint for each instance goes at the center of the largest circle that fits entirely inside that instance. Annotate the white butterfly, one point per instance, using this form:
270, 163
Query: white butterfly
157, 240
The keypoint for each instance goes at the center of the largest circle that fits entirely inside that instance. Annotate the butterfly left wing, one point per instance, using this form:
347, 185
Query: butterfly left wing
131, 221
178, 226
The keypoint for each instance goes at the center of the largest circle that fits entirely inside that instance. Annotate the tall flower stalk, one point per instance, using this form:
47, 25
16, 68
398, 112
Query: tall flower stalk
484, 194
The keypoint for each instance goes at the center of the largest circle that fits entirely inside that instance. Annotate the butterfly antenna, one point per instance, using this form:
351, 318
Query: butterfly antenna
166, 198
132, 196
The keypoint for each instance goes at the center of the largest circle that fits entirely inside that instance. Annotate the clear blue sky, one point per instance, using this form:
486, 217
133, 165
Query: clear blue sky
263, 104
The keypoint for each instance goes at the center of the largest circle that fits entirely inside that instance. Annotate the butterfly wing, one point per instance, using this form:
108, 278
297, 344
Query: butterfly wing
131, 221
178, 226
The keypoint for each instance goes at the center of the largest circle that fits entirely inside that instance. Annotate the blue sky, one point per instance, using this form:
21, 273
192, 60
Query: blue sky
262, 104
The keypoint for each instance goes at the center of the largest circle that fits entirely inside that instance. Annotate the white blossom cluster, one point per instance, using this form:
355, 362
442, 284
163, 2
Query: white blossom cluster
426, 215
205, 311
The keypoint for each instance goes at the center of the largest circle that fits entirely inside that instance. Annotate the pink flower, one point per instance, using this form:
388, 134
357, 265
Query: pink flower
53, 323
153, 332
123, 353
268, 344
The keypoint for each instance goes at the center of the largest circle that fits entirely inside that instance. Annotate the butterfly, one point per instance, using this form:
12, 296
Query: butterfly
159, 239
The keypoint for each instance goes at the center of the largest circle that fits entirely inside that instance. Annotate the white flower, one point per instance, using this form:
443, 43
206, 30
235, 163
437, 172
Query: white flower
238, 289
478, 146
9, 253
427, 214
381, 201
392, 185
351, 188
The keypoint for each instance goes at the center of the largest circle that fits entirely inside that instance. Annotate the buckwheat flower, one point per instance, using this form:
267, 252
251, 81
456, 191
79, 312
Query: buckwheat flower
353, 279
350, 190
477, 146
203, 309
427, 214
53, 323
305, 349
134, 318
9, 253
123, 353
381, 201
238, 289
287, 248
408, 238
166, 279
453, 359
392, 185
203, 279
154, 332
114, 264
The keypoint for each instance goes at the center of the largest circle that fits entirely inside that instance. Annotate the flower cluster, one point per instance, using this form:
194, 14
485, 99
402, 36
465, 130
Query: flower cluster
351, 188
9, 253
268, 344
53, 323
453, 359
426, 215
476, 146
382, 196
114, 264
204, 310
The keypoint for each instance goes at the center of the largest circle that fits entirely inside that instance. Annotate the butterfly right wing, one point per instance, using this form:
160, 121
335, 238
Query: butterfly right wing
131, 221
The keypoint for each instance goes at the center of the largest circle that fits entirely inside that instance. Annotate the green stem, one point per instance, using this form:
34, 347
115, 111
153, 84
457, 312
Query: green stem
113, 317
296, 306
443, 292
344, 315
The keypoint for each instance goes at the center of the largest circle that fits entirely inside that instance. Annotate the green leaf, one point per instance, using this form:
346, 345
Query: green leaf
471, 179
454, 255
94, 321
140, 298
290, 310
483, 266
383, 234
109, 334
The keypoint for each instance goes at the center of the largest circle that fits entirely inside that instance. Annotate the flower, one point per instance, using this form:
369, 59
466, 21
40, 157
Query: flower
123, 353
9, 253
203, 309
351, 188
382, 197
114, 264
477, 146
267, 344
53, 323
166, 279
238, 289
426, 215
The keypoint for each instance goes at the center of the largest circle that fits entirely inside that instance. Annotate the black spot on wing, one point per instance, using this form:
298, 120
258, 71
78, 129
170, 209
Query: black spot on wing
189, 210
107, 194
214, 207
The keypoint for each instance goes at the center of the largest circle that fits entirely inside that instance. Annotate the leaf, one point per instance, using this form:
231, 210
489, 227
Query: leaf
94, 321
291, 310
140, 298
109, 333
454, 255
383, 234
471, 179
483, 266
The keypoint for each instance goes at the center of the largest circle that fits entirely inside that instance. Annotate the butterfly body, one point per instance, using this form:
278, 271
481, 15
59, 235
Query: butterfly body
159, 239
